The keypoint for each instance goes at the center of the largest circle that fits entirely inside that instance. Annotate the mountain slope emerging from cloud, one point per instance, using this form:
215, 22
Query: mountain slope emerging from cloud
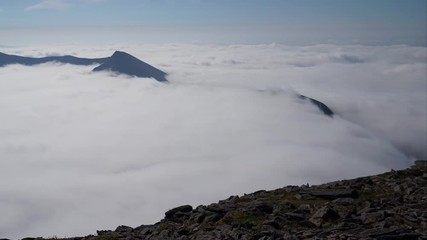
119, 62
6, 59
361, 208
125, 63
322, 107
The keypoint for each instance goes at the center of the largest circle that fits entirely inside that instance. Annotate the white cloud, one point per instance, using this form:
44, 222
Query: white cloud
49, 4
82, 151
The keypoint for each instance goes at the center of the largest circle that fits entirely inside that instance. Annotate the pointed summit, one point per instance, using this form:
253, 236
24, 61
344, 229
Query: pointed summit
125, 63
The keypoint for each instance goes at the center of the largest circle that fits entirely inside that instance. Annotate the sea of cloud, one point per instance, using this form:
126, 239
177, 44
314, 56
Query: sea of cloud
81, 151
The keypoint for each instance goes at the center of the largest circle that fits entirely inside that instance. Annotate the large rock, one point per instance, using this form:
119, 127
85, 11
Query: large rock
178, 210
322, 215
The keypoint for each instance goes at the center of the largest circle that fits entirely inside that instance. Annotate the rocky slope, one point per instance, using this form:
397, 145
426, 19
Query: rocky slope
392, 205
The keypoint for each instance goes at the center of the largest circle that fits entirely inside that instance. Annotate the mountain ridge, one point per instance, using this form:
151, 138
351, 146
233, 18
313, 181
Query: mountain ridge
119, 62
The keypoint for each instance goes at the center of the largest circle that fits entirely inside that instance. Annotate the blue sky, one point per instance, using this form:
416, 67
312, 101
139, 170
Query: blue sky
309, 21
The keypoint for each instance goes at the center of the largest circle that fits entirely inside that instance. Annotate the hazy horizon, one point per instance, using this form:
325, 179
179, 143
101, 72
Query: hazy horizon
304, 22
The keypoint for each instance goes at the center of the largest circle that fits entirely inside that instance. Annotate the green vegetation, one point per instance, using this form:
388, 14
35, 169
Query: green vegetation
105, 236
237, 217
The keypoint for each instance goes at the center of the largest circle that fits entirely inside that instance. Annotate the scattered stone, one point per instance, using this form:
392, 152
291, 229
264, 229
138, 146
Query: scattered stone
124, 230
216, 208
332, 194
272, 223
370, 218
264, 208
213, 218
322, 215
182, 209
421, 164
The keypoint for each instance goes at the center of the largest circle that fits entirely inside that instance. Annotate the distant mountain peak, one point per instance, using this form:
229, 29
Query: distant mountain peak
120, 53
120, 62
125, 63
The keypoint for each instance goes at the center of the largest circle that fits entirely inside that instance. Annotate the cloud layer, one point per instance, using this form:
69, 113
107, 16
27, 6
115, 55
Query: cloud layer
82, 151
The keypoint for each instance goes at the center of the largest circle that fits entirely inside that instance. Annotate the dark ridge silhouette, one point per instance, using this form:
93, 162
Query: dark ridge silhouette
322, 107
122, 62
6, 59
119, 62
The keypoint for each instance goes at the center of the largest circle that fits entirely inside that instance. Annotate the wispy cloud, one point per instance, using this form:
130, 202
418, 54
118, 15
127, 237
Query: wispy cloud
49, 4
57, 4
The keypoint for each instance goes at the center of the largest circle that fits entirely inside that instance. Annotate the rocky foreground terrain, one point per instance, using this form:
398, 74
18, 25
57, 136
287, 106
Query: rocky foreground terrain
391, 205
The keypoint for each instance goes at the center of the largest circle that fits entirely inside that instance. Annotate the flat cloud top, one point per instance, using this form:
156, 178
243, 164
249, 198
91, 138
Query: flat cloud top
82, 151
